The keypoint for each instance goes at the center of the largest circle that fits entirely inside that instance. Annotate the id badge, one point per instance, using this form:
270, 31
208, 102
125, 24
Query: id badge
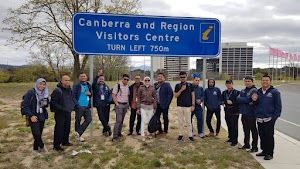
136, 99
102, 97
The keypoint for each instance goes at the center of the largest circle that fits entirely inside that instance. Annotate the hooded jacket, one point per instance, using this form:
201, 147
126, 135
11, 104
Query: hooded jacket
245, 101
77, 90
98, 91
268, 104
212, 97
62, 100
230, 109
199, 95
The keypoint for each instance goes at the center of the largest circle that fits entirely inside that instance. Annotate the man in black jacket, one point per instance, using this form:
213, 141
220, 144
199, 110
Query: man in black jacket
231, 112
62, 104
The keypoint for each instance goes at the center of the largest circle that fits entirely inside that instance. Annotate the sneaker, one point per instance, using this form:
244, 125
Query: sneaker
228, 141
143, 139
150, 136
59, 149
81, 139
138, 133
253, 150
191, 138
201, 135
244, 147
67, 144
77, 135
115, 139
44, 150
233, 144
129, 134
180, 138
36, 153
211, 134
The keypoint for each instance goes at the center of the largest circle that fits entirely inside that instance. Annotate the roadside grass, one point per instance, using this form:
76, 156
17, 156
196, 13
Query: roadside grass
161, 152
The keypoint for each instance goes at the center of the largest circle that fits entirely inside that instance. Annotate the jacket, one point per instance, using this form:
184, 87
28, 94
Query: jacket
245, 101
230, 109
165, 94
97, 92
77, 90
30, 109
62, 100
147, 96
199, 95
212, 97
131, 87
268, 104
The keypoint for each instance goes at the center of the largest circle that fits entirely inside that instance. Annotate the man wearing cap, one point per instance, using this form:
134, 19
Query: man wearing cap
248, 115
231, 112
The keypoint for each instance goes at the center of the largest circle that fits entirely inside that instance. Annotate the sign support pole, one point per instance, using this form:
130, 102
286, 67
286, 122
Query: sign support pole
91, 61
204, 82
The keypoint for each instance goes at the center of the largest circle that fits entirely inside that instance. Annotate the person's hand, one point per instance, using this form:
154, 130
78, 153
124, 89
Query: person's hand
254, 97
138, 111
229, 102
192, 108
44, 103
88, 93
99, 72
34, 119
198, 102
183, 87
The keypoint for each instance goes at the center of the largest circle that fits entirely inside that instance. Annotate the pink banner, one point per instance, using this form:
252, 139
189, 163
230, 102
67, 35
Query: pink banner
286, 55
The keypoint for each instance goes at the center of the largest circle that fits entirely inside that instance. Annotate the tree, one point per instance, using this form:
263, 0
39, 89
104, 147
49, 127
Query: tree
4, 76
38, 22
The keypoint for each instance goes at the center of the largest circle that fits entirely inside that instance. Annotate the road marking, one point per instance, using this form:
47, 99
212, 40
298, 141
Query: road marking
289, 122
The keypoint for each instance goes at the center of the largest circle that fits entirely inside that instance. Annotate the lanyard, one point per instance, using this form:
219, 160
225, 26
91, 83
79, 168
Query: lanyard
228, 96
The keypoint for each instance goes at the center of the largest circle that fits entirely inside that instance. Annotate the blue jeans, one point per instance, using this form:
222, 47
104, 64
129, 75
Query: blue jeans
199, 115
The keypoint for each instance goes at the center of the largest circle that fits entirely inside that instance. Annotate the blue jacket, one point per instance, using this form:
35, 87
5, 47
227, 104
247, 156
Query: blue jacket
230, 109
165, 94
199, 94
268, 104
245, 101
97, 92
77, 90
30, 109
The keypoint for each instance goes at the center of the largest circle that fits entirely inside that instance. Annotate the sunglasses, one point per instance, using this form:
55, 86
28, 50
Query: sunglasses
126, 79
147, 80
182, 77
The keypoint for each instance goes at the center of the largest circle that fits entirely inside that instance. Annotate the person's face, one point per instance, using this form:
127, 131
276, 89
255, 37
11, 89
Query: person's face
229, 85
265, 82
65, 81
83, 77
248, 82
125, 80
211, 83
147, 81
182, 78
160, 78
137, 79
41, 86
196, 81
101, 80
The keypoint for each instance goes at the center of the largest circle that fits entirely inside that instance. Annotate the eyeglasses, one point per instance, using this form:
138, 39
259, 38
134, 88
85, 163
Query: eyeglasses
126, 79
182, 77
147, 80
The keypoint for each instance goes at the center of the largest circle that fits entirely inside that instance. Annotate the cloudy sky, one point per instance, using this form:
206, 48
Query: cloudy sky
274, 23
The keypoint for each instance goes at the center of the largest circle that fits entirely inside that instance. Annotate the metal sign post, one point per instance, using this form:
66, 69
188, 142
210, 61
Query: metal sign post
91, 61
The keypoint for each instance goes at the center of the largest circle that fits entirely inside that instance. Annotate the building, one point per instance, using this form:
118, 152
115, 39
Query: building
158, 63
236, 59
174, 65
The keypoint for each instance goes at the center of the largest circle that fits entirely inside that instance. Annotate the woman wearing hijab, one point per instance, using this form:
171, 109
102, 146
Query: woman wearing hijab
146, 103
35, 103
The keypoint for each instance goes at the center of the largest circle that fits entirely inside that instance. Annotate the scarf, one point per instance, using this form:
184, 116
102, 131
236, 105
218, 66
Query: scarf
40, 94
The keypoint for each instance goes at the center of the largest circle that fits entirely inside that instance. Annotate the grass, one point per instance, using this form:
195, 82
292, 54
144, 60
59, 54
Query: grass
161, 152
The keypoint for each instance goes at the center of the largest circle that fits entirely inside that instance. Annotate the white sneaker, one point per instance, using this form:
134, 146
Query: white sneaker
36, 153
81, 139
143, 139
201, 135
77, 135
44, 150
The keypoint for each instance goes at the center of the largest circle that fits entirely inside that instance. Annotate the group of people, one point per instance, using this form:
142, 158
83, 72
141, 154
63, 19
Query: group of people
262, 106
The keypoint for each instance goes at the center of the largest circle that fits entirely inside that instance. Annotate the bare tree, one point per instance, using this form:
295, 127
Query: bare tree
40, 21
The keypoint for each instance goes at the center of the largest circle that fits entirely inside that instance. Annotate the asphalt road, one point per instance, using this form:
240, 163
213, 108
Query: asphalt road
289, 122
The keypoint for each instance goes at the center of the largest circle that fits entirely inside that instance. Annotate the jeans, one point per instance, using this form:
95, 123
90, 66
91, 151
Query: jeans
79, 113
165, 112
144, 117
37, 130
199, 115
209, 117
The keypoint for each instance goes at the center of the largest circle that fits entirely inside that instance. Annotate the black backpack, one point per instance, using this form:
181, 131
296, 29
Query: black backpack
23, 113
154, 124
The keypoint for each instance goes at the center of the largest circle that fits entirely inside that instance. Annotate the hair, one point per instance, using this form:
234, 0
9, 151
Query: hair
137, 75
101, 75
182, 73
80, 73
267, 76
228, 81
125, 75
248, 78
161, 73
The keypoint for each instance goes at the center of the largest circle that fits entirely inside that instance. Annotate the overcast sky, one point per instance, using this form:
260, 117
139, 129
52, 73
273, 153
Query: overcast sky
261, 23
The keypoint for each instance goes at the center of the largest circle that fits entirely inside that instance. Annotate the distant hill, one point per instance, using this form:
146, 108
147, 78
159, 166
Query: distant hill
147, 68
4, 67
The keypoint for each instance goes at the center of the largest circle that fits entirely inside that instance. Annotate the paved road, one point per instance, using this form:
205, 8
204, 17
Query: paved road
289, 122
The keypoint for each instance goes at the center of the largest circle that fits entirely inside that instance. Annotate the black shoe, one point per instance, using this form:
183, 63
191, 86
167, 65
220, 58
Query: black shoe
253, 150
191, 138
138, 133
115, 139
180, 138
260, 154
129, 134
109, 132
58, 149
67, 144
228, 141
244, 147
268, 157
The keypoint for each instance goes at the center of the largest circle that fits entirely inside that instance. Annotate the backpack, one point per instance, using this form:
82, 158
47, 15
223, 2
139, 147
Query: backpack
23, 113
111, 100
154, 124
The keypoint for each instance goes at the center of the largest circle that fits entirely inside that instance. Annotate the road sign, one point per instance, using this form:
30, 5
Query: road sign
112, 34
